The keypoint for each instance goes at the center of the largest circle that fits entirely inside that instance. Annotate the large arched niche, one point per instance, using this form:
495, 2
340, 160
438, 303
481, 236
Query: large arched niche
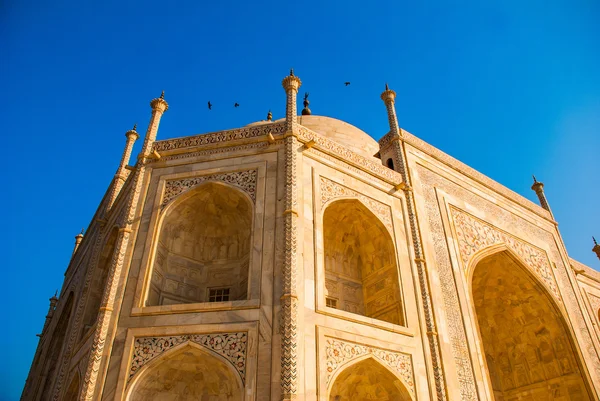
188, 373
98, 282
203, 249
528, 349
368, 380
361, 274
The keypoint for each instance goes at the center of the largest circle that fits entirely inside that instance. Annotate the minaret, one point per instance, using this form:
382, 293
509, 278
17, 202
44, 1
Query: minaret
78, 239
50, 313
538, 187
395, 148
596, 248
289, 297
389, 98
159, 106
121, 176
291, 84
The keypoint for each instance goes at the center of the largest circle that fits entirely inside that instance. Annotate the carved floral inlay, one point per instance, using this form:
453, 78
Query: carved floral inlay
232, 346
474, 235
246, 180
331, 190
338, 353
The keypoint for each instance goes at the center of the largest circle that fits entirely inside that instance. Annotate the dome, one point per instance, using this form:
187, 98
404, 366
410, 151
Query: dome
343, 133
338, 131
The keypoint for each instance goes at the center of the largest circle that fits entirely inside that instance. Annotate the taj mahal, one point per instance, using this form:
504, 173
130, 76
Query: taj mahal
300, 259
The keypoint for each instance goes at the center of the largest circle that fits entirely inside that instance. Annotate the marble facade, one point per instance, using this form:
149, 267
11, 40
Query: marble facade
299, 259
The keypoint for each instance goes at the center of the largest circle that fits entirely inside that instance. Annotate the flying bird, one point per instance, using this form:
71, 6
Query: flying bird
209, 105
236, 105
346, 83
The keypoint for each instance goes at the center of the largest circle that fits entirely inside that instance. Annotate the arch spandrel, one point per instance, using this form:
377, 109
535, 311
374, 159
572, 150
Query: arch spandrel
367, 378
187, 372
528, 347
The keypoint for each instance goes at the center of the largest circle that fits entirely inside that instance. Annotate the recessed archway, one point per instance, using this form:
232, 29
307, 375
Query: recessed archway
203, 250
188, 374
528, 349
368, 380
361, 274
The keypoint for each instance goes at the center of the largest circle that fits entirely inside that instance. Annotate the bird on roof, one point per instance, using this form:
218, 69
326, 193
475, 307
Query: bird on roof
236, 105
209, 105
346, 83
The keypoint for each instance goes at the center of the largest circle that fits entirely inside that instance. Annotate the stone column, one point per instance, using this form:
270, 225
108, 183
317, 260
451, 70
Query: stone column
121, 176
289, 298
538, 187
389, 97
94, 375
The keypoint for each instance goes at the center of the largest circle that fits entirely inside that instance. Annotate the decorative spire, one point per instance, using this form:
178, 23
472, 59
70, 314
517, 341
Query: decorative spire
291, 84
134, 127
291, 72
538, 187
269, 116
596, 248
78, 239
389, 98
162, 95
306, 111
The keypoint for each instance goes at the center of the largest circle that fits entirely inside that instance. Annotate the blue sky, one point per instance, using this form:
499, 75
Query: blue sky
510, 88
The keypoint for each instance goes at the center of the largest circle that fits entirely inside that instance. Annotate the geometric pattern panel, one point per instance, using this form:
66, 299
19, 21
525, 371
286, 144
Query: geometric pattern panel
339, 352
331, 190
245, 180
231, 346
475, 235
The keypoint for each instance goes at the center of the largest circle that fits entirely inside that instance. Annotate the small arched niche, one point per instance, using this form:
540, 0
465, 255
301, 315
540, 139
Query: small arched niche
98, 283
203, 250
528, 349
368, 380
361, 274
188, 374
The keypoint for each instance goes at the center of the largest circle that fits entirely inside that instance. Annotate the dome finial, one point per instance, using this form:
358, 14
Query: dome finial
306, 111
387, 88
134, 127
291, 72
594, 239
269, 116
162, 95
534, 180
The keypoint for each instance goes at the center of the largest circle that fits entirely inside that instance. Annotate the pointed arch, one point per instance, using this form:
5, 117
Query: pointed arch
203, 249
98, 282
528, 347
187, 370
72, 393
366, 378
361, 271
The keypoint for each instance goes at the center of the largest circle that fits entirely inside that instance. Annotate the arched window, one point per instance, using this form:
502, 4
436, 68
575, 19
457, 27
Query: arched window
188, 374
390, 163
98, 283
203, 251
361, 274
368, 380
528, 349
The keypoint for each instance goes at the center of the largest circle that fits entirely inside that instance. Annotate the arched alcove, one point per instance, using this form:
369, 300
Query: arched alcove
72, 392
98, 282
203, 250
188, 374
55, 347
368, 380
361, 274
528, 349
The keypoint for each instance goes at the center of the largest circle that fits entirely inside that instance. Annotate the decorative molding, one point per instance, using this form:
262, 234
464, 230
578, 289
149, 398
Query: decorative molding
245, 180
474, 235
332, 190
372, 165
595, 303
231, 346
215, 138
339, 353
213, 151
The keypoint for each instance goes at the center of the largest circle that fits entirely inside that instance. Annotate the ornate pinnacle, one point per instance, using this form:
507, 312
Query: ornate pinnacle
134, 127
594, 239
534, 180
306, 111
133, 132
160, 103
388, 94
291, 72
291, 81
596, 248
537, 186
387, 88
269, 116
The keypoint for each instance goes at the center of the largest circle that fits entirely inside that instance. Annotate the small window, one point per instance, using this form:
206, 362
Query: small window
332, 303
218, 294
390, 163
